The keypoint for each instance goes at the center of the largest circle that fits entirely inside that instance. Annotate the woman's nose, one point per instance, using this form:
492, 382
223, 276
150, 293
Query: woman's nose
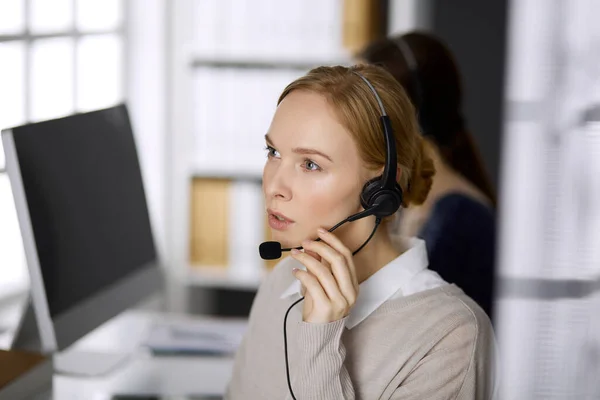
277, 183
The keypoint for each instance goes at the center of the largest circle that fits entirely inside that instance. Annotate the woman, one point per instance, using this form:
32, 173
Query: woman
457, 220
374, 324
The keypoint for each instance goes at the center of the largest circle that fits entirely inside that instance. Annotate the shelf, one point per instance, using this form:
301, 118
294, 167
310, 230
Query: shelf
235, 62
221, 278
231, 175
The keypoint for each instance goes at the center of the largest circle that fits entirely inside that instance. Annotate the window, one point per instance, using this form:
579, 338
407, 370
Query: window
57, 57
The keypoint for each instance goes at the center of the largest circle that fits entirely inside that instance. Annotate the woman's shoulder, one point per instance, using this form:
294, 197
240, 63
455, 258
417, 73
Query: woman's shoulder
443, 305
462, 215
466, 324
469, 336
440, 319
463, 203
460, 304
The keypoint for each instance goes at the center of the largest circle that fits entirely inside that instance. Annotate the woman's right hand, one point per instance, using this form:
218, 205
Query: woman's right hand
330, 286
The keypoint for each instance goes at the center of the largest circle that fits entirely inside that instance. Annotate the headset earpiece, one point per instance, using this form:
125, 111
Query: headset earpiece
385, 201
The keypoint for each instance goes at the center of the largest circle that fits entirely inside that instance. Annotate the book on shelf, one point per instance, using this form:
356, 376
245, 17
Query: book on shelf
227, 224
269, 28
209, 222
233, 109
363, 22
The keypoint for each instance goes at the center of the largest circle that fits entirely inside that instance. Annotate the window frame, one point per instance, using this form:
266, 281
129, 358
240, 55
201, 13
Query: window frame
28, 39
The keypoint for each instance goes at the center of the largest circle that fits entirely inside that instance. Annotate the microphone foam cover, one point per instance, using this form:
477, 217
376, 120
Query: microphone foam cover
270, 250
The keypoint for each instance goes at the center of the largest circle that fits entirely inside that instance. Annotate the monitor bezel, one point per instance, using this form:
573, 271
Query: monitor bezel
60, 332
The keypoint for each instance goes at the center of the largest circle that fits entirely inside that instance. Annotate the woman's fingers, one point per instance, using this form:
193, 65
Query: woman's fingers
329, 282
311, 285
339, 269
337, 244
323, 276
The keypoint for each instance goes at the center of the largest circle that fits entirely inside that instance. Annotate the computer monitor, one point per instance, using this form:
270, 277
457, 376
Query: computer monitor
84, 220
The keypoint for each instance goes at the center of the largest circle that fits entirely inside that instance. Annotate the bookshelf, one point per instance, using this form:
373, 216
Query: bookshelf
231, 60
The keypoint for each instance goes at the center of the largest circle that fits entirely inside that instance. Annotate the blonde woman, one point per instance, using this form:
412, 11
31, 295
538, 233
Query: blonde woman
373, 324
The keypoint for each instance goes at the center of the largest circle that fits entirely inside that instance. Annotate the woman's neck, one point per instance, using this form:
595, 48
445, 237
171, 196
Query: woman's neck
375, 255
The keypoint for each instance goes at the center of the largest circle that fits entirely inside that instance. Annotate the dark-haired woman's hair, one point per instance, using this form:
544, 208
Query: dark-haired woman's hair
429, 74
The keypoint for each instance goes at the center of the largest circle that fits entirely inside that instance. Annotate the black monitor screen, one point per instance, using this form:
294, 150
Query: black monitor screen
86, 201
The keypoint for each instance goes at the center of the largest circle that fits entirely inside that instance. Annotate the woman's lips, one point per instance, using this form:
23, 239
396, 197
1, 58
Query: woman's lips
279, 224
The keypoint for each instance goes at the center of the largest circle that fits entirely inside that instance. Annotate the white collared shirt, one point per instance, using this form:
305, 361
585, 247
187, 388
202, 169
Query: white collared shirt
405, 275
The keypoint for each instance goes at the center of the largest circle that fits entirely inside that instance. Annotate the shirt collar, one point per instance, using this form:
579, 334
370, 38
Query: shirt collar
394, 277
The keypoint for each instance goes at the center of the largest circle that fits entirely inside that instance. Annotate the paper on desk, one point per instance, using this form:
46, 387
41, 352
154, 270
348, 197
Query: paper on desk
196, 337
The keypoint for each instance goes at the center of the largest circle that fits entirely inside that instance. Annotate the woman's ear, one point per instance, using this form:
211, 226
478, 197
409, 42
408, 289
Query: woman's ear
380, 173
398, 172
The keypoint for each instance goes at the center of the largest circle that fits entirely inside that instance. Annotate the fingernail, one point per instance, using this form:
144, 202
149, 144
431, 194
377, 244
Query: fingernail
294, 270
321, 230
295, 251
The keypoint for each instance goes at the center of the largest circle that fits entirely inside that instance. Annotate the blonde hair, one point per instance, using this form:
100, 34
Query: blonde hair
358, 111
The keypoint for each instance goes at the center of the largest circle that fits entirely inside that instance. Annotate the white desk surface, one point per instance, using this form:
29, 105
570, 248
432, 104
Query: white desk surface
143, 374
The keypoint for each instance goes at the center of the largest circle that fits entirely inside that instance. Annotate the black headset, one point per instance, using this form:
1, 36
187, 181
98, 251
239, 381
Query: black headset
383, 195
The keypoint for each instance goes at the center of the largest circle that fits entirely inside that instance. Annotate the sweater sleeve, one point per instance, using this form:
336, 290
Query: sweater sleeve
454, 369
320, 372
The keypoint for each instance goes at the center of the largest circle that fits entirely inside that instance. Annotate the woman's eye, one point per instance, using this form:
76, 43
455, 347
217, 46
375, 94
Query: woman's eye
311, 165
271, 152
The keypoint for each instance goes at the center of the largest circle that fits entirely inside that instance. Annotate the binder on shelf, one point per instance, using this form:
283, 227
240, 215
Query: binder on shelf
246, 229
233, 111
363, 22
228, 222
300, 29
209, 222
203, 111
229, 118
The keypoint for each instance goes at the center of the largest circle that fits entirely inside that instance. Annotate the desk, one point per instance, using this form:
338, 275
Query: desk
142, 373
23, 374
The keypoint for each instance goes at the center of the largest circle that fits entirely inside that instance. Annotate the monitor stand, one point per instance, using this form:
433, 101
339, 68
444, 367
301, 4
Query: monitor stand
27, 334
70, 362
88, 363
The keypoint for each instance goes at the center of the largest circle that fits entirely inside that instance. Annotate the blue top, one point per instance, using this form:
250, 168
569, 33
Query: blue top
460, 238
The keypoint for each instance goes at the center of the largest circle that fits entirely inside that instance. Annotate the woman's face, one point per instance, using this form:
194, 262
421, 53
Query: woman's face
313, 174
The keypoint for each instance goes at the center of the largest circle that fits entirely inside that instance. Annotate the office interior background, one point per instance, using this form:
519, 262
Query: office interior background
201, 79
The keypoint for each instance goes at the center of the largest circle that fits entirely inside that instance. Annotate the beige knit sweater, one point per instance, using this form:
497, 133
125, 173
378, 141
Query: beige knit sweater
436, 344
